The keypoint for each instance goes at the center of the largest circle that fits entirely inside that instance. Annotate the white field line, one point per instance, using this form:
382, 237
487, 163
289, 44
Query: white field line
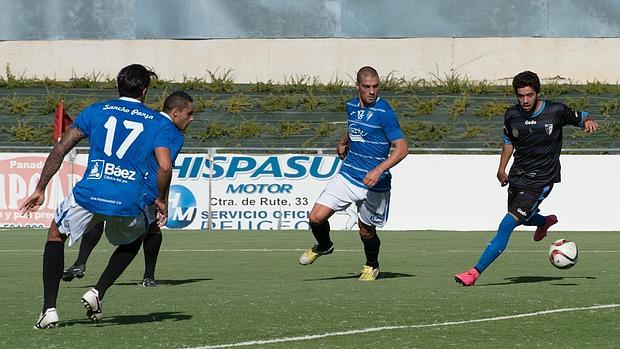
387, 328
303, 249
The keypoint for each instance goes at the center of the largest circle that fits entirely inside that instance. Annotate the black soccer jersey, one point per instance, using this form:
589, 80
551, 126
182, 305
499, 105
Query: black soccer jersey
537, 141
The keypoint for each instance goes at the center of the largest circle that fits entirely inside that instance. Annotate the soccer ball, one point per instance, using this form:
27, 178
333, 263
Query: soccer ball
563, 254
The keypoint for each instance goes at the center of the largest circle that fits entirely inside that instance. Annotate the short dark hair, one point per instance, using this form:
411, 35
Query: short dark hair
367, 70
133, 79
524, 79
177, 99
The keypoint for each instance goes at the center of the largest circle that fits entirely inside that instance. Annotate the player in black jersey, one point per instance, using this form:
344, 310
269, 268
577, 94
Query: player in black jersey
533, 134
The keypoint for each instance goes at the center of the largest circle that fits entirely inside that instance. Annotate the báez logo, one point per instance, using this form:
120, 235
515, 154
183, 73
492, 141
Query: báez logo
99, 168
117, 171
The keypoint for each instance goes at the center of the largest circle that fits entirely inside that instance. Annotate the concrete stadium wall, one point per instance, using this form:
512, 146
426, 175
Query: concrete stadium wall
252, 60
209, 19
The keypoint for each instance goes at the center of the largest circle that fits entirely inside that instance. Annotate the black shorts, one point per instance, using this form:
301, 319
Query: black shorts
523, 203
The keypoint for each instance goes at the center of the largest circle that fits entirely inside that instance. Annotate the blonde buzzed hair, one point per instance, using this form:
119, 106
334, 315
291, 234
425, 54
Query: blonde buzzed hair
366, 71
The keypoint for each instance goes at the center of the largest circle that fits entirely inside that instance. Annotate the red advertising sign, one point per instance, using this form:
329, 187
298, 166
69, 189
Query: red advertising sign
19, 175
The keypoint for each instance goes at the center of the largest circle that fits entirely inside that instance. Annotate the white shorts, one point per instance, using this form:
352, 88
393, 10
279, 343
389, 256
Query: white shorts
151, 218
372, 207
74, 220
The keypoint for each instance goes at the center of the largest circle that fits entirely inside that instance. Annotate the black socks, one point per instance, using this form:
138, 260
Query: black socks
321, 234
53, 264
151, 245
89, 241
120, 260
371, 248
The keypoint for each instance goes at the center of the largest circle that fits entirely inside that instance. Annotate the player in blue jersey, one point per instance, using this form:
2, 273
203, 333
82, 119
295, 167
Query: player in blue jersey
364, 177
533, 131
123, 136
179, 110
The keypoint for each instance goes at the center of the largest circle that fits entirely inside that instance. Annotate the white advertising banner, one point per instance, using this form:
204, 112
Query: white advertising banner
267, 192
249, 192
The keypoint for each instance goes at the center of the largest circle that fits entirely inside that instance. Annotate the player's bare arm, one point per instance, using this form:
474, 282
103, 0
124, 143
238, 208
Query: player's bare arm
69, 139
164, 176
343, 146
401, 149
502, 176
590, 125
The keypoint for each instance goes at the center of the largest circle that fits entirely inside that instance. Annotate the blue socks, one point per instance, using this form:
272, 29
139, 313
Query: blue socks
499, 242
536, 220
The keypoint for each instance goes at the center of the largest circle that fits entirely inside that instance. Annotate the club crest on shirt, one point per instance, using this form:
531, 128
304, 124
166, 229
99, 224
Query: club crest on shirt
369, 115
549, 129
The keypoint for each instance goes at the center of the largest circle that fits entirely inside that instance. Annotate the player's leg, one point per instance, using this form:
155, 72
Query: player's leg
319, 224
53, 263
335, 197
373, 213
150, 246
70, 222
119, 261
493, 250
543, 223
88, 243
522, 205
126, 233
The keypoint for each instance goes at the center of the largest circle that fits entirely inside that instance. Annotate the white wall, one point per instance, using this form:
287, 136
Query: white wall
461, 192
255, 60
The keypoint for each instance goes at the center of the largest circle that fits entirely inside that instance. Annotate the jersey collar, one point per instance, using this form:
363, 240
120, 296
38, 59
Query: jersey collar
129, 99
536, 113
166, 115
359, 103
539, 111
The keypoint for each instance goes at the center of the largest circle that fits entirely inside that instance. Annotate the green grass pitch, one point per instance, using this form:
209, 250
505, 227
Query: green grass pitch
235, 287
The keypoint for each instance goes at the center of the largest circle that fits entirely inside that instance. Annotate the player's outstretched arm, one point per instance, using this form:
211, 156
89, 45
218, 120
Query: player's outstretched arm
502, 176
164, 176
590, 125
401, 149
69, 139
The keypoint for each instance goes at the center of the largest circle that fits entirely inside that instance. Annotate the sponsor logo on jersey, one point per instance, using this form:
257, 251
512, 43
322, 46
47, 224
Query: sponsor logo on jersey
96, 172
182, 207
101, 169
521, 212
549, 129
530, 122
356, 134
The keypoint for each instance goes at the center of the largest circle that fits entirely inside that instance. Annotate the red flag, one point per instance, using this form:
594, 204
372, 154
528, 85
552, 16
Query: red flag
62, 121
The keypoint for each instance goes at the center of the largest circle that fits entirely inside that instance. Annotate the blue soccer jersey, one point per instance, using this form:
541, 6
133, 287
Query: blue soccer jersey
371, 131
123, 134
176, 143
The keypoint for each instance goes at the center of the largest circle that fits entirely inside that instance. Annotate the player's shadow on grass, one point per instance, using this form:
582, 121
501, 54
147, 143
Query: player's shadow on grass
382, 275
165, 282
132, 319
534, 279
